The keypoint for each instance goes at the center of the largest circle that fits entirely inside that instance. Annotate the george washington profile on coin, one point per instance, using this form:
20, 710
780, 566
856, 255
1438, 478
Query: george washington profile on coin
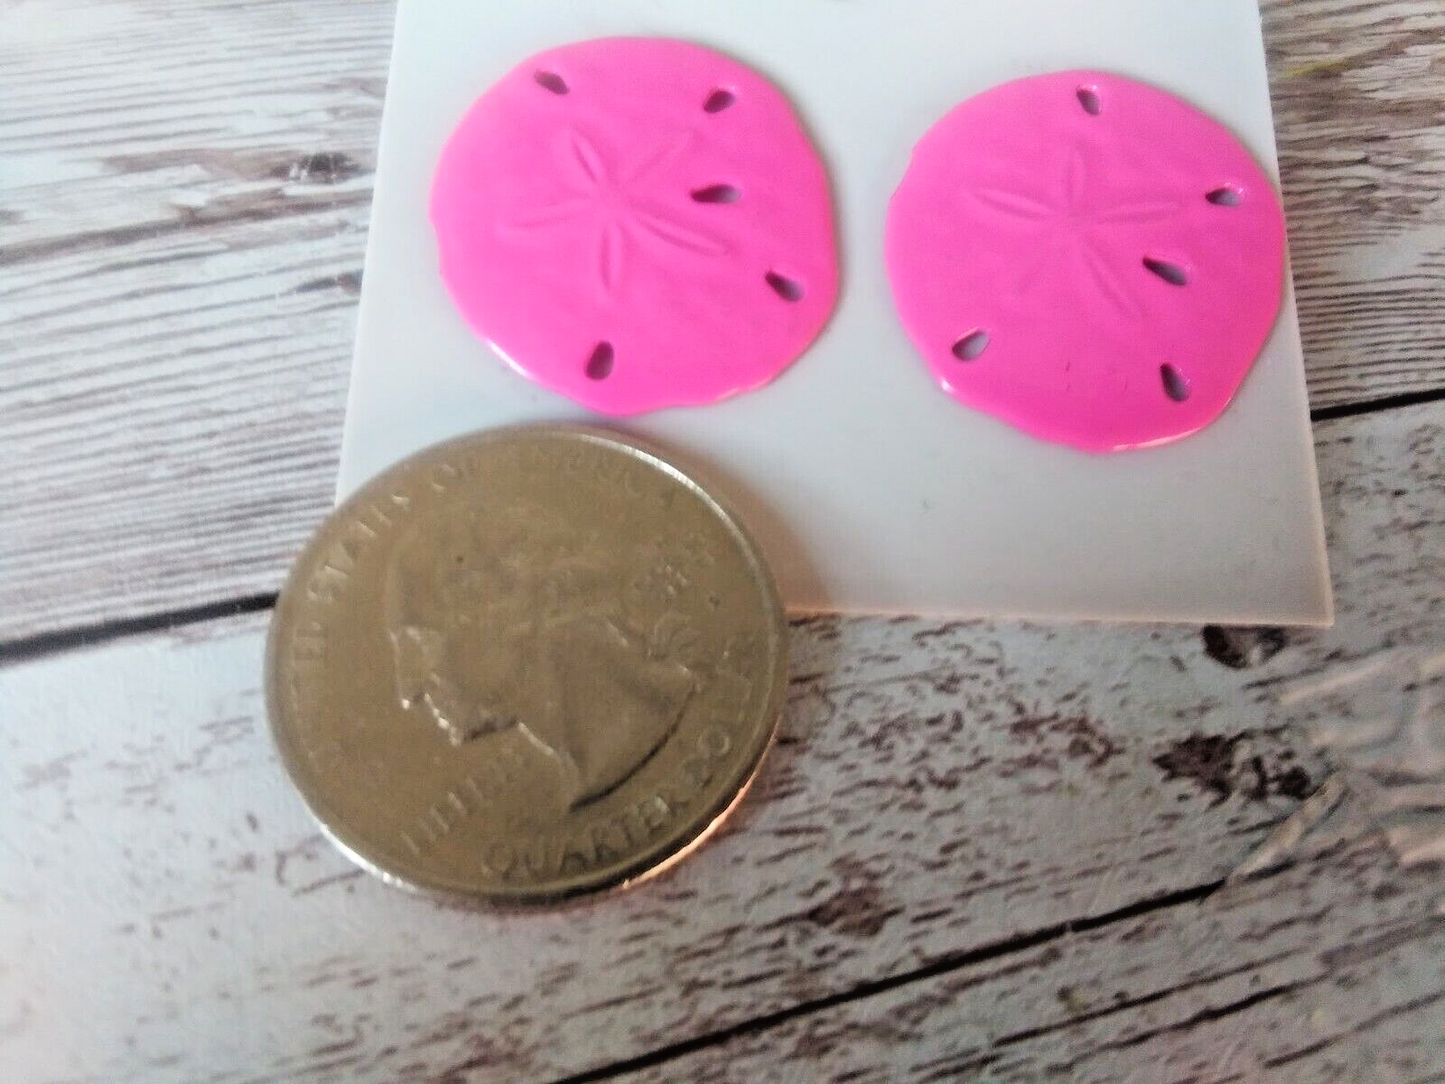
526, 665
512, 619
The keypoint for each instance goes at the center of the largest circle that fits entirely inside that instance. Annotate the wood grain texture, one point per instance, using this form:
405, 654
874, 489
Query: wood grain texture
182, 217
1359, 96
1332, 969
128, 122
971, 841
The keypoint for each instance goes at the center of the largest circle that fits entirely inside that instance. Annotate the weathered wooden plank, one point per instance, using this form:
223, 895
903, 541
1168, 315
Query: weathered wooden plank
184, 450
181, 228
129, 121
1359, 95
943, 793
1332, 970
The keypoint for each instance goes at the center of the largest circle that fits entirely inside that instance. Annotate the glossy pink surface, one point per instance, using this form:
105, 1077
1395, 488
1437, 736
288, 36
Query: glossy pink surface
636, 224
1087, 258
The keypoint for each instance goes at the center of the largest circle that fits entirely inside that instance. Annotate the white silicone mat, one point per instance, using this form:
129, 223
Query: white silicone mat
869, 489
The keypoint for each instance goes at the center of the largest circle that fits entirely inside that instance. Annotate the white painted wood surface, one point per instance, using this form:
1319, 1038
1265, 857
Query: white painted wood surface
982, 851
895, 899
183, 204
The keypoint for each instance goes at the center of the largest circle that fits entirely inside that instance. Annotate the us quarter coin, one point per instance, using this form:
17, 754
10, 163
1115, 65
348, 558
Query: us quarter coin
524, 666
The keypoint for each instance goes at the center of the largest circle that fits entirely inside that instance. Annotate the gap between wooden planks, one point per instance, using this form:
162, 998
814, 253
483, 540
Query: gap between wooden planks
181, 234
979, 847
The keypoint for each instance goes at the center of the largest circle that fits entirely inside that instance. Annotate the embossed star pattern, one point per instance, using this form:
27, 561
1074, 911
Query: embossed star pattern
1074, 213
614, 211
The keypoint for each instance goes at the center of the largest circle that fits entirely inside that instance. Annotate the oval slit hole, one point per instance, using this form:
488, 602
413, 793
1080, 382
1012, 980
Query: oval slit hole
1175, 386
718, 100
717, 193
552, 81
972, 345
599, 365
1090, 100
1225, 196
1171, 273
784, 287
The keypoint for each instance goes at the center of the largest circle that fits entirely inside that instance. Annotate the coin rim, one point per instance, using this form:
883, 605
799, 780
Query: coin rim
652, 861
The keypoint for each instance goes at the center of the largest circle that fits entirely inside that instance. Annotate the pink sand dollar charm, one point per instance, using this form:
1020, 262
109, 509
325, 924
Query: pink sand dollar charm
1087, 258
637, 224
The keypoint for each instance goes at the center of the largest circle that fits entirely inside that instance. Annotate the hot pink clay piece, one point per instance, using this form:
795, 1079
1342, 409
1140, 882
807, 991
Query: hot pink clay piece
637, 224
1088, 258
